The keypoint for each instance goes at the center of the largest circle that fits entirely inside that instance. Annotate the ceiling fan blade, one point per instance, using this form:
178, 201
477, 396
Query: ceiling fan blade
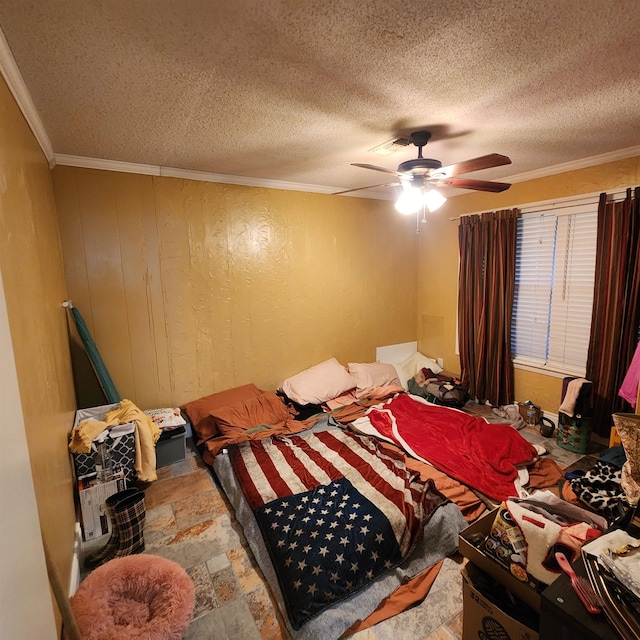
475, 164
375, 168
371, 186
467, 183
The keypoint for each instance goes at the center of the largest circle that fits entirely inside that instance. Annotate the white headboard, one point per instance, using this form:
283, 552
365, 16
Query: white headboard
395, 353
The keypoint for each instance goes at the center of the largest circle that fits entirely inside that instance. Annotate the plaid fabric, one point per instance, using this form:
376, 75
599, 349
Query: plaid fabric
100, 557
129, 521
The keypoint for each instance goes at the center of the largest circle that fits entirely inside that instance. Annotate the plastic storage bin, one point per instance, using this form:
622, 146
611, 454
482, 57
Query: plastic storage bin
574, 434
171, 447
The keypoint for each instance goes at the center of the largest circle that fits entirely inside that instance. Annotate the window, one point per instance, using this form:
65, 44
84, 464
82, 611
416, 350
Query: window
555, 265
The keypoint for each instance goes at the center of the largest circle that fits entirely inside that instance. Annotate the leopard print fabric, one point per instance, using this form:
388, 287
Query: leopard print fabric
600, 488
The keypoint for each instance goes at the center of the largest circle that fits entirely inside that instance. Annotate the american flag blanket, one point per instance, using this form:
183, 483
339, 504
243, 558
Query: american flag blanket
336, 510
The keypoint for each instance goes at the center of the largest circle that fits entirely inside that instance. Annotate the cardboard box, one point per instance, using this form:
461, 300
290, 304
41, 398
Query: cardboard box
481, 618
92, 497
524, 409
507, 546
614, 438
471, 546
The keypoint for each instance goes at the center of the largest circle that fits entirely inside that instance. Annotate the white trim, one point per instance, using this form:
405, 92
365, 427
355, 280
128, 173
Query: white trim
106, 165
552, 372
192, 174
225, 178
206, 176
572, 201
18, 88
574, 165
74, 575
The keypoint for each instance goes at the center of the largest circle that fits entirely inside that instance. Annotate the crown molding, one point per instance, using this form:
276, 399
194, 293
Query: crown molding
206, 176
106, 165
574, 165
191, 174
18, 88
225, 178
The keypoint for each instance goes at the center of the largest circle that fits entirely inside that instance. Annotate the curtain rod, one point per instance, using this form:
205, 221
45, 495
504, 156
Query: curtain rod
558, 203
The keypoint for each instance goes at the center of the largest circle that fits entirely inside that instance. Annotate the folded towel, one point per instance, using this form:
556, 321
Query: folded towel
568, 405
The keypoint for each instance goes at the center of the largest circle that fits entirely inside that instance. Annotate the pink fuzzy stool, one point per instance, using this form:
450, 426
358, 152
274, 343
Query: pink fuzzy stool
144, 597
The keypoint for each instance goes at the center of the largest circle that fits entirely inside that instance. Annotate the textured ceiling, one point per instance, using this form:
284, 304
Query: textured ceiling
296, 91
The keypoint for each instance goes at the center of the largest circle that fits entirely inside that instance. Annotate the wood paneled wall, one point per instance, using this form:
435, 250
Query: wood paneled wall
34, 289
193, 287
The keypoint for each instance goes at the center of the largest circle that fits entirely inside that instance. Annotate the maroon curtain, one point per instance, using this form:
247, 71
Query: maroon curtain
487, 244
616, 305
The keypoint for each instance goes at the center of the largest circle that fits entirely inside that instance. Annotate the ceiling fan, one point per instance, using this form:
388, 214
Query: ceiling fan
423, 174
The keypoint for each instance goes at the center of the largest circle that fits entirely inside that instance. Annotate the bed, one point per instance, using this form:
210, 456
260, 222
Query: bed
313, 592
339, 516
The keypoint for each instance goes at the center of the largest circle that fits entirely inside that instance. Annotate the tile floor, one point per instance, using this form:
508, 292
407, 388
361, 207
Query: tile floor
189, 520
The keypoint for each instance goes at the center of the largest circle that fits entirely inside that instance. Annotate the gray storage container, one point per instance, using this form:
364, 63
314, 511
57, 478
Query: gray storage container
171, 447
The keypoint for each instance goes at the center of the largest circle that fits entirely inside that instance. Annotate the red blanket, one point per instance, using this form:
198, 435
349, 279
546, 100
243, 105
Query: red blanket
469, 449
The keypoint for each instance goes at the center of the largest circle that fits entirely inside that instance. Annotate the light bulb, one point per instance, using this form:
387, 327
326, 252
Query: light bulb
409, 201
434, 199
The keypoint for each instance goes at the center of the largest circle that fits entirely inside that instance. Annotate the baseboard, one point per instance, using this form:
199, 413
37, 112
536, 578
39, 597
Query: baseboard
74, 580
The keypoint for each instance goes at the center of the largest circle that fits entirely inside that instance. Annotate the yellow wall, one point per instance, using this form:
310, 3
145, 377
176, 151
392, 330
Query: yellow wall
438, 262
193, 287
33, 277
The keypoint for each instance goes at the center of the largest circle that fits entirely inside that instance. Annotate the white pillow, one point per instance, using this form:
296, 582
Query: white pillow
166, 417
409, 367
319, 383
372, 374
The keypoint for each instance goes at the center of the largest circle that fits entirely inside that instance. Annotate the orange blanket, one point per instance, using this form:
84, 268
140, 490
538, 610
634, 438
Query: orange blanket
409, 594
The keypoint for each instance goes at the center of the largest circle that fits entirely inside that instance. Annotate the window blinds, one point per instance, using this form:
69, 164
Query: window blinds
534, 279
555, 264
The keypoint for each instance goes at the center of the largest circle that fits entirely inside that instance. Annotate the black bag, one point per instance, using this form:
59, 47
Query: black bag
440, 389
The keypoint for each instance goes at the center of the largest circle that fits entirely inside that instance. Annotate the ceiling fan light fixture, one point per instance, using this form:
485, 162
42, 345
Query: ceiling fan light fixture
418, 175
